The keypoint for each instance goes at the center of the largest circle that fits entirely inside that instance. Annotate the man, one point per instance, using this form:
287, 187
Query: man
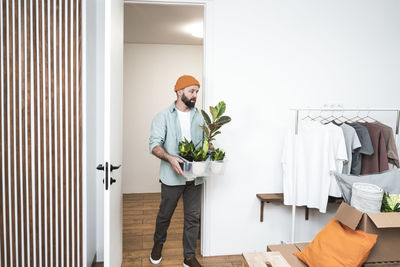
181, 120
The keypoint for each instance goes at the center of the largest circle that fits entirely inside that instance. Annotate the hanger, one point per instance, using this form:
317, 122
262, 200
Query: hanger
308, 116
368, 117
319, 116
342, 118
356, 118
330, 118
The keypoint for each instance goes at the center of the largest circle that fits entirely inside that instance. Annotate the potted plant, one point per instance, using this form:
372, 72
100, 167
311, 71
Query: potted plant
217, 163
194, 158
211, 129
200, 156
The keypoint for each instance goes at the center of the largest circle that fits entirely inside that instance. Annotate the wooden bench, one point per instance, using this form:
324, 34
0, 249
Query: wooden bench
267, 198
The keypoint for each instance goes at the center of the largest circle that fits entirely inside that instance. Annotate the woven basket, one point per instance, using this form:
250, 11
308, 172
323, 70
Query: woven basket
367, 197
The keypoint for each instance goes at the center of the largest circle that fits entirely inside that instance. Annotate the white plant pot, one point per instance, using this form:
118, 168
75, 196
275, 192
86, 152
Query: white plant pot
217, 167
198, 168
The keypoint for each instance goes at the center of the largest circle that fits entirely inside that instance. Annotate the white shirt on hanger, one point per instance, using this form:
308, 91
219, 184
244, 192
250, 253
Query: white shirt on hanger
339, 152
319, 151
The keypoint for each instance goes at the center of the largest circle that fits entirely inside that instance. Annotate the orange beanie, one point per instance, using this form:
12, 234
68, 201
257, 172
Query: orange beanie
185, 81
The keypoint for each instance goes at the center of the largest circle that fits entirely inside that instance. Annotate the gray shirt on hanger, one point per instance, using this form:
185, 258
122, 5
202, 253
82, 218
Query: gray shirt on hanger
366, 148
352, 143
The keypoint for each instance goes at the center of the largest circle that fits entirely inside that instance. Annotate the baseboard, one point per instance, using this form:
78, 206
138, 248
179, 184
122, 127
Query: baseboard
94, 260
95, 263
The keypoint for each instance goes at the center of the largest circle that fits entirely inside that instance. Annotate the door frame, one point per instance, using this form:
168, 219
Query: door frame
208, 41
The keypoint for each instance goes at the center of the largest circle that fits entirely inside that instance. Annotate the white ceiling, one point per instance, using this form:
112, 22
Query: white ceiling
160, 24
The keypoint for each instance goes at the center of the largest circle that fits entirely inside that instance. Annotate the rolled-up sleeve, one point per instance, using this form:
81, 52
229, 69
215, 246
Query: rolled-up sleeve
158, 132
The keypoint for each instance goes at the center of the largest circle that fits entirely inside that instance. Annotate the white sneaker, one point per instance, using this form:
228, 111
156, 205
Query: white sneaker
156, 253
155, 261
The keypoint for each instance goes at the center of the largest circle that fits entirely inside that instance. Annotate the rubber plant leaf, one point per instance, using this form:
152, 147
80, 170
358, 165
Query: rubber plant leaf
205, 129
212, 127
213, 112
206, 117
223, 120
214, 134
215, 128
221, 107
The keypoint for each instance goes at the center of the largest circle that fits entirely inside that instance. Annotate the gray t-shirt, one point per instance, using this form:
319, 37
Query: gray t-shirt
352, 143
365, 149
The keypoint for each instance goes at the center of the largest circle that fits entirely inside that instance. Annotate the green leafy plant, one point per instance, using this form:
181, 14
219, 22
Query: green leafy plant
390, 203
188, 150
217, 154
201, 153
211, 129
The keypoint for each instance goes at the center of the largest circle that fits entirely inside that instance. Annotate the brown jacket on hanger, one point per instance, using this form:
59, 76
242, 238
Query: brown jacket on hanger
391, 149
377, 162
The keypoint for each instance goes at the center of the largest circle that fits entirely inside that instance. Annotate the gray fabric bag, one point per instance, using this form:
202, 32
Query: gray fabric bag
389, 181
366, 197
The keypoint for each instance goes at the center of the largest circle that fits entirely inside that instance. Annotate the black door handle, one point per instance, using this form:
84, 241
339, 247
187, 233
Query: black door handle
114, 167
100, 167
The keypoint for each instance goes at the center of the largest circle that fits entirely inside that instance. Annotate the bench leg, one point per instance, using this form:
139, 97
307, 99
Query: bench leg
306, 215
262, 212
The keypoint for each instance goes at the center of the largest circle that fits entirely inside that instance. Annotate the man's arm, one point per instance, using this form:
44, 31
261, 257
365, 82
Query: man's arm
160, 153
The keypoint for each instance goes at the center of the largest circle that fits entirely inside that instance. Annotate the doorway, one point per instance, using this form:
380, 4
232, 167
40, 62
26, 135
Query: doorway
159, 46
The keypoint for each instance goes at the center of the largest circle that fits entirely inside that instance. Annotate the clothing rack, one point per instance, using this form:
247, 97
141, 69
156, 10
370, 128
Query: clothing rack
297, 111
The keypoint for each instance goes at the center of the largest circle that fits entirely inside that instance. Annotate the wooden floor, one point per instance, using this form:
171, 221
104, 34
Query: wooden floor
140, 212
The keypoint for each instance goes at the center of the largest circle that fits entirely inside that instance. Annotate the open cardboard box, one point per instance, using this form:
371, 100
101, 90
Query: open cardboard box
386, 251
385, 224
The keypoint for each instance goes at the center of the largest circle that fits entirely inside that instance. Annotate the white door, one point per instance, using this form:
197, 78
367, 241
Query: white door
113, 90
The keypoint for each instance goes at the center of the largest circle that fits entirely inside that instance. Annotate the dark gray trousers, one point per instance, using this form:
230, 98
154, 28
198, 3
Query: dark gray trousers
191, 206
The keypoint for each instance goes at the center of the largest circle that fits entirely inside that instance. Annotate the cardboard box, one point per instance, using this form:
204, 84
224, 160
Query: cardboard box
385, 225
264, 259
287, 251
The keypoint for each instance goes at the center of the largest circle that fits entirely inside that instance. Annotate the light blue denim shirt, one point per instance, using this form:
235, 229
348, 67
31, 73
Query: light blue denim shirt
166, 132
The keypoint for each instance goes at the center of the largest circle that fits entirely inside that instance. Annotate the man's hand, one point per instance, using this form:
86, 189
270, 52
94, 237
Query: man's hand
174, 161
160, 153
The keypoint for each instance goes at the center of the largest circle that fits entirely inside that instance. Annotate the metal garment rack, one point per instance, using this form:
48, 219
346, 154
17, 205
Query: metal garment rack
297, 111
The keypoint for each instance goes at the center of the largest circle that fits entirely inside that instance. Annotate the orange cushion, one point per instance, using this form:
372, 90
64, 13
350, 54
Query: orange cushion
338, 245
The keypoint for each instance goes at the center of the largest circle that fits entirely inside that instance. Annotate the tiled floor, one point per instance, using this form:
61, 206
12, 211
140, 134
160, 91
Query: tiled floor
140, 211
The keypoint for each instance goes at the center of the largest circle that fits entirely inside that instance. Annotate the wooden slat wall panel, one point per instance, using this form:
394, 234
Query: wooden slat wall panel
80, 138
11, 124
40, 133
3, 119
2, 174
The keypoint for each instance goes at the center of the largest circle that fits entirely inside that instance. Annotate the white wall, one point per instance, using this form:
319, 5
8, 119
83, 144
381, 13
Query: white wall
89, 116
268, 56
150, 73
99, 68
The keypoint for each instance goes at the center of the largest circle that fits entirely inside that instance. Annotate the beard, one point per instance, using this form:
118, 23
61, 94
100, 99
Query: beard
188, 102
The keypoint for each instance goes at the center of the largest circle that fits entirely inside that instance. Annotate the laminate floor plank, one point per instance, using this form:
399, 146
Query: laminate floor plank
139, 217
